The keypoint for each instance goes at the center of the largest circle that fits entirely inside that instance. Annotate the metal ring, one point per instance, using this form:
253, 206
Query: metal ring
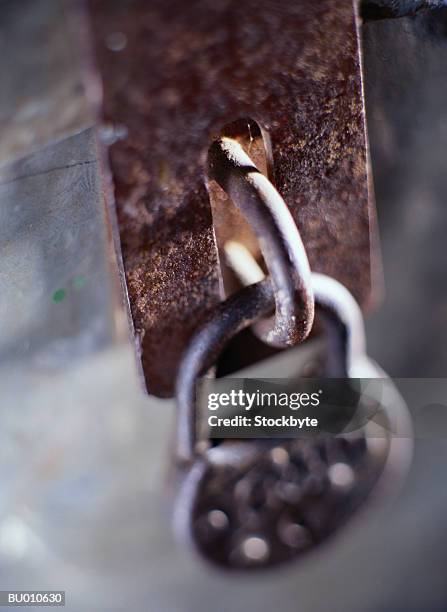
240, 311
279, 240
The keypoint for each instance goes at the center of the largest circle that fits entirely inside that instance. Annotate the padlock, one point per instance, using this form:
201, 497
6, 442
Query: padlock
250, 504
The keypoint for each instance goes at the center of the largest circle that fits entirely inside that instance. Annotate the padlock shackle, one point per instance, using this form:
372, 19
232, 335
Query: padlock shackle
235, 314
338, 307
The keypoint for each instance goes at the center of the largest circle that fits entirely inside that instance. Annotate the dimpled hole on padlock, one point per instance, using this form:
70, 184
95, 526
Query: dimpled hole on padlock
282, 500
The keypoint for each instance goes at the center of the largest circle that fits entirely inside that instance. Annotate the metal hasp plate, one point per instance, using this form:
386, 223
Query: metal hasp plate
174, 73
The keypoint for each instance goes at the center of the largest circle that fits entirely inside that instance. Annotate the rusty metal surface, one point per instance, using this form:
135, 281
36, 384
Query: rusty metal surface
255, 493
174, 74
341, 322
241, 481
279, 239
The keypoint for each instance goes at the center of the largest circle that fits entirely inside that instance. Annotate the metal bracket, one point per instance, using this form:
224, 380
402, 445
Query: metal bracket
174, 75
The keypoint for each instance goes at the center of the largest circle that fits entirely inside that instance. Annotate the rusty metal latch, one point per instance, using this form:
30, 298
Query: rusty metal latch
293, 69
258, 503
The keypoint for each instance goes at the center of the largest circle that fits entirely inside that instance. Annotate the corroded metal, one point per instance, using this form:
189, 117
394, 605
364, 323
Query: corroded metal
174, 74
274, 502
259, 503
341, 319
279, 239
229, 318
